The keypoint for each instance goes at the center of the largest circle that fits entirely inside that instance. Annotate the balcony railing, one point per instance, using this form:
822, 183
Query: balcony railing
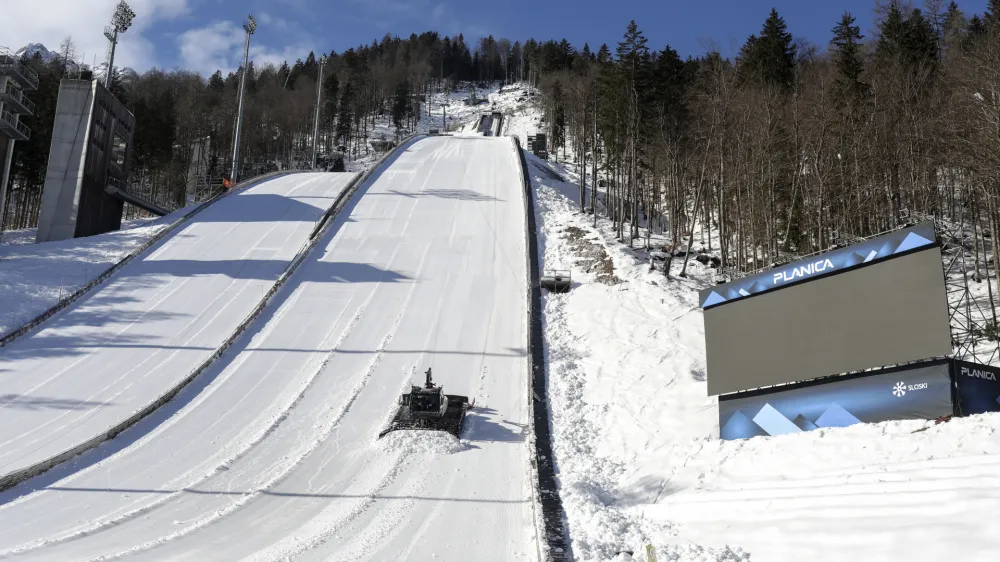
12, 96
10, 65
14, 128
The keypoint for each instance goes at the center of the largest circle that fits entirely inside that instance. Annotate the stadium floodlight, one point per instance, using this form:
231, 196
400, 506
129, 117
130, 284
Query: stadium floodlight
319, 95
121, 20
250, 26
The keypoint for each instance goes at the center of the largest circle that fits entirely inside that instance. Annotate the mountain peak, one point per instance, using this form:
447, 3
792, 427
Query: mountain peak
31, 49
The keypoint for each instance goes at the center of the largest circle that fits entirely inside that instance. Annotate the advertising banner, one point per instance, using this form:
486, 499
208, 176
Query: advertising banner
917, 392
875, 249
978, 388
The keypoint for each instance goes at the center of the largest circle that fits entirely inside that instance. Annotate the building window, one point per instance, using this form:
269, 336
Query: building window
118, 147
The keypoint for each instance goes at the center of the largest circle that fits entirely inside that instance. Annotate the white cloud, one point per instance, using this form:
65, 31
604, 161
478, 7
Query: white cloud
265, 55
49, 22
219, 46
211, 48
273, 22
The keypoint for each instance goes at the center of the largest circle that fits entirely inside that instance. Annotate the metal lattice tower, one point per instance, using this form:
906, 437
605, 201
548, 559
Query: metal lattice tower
966, 315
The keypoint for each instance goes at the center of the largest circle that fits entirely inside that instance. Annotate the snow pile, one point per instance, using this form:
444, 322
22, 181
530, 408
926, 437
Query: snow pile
35, 277
407, 443
636, 436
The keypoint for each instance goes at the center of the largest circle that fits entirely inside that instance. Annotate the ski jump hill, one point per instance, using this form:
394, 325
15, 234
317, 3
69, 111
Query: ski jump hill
220, 396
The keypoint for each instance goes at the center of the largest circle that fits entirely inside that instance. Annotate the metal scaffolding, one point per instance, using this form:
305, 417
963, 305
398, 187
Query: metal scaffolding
15, 79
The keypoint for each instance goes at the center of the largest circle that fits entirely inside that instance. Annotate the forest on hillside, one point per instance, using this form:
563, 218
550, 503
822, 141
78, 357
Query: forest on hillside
783, 150
789, 148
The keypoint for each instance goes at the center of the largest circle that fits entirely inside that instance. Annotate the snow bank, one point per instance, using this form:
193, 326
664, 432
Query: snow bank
35, 277
636, 436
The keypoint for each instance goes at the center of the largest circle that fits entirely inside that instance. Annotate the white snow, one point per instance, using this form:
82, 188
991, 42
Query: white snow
272, 453
35, 277
122, 346
640, 462
462, 119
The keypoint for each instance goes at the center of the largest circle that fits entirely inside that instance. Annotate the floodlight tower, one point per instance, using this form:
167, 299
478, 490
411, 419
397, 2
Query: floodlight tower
249, 26
120, 22
319, 96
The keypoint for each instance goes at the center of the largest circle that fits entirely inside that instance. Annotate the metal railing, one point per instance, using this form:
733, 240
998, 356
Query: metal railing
9, 61
9, 118
15, 93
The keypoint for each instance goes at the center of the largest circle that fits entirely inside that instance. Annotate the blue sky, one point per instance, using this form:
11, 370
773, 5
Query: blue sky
204, 35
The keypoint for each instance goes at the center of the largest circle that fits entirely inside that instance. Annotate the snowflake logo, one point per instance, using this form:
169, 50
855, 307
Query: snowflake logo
899, 390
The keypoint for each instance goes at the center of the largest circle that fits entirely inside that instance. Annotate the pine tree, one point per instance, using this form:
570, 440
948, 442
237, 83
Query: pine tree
848, 57
953, 27
669, 85
991, 17
345, 117
891, 31
603, 54
331, 91
216, 82
633, 53
310, 67
566, 54
976, 27
769, 58
920, 40
400, 104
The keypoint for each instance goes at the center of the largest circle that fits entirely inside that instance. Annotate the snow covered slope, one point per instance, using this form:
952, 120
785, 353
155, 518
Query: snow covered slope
121, 347
273, 454
636, 437
35, 277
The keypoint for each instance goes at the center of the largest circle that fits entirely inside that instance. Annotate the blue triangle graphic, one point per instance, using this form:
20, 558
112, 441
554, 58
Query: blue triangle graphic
836, 416
804, 423
912, 240
714, 298
739, 426
774, 422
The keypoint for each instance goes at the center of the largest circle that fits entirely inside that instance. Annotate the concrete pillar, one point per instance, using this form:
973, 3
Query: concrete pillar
6, 158
67, 156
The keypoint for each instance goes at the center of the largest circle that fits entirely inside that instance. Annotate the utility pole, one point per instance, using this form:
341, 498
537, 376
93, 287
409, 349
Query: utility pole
319, 96
120, 22
249, 26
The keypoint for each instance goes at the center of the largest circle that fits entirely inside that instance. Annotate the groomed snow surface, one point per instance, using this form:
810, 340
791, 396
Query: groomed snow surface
273, 452
462, 119
640, 462
119, 348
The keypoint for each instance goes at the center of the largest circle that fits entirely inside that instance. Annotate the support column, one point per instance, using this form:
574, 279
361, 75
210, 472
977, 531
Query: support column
7, 150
